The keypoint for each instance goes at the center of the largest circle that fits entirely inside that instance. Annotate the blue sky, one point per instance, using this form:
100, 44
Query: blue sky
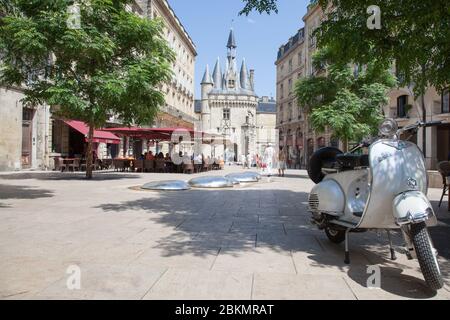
258, 36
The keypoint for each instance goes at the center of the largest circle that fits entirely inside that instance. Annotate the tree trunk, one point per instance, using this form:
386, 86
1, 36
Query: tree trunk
89, 157
345, 145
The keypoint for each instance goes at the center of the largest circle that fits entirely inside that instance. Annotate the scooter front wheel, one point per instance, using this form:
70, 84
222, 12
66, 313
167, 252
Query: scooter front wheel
426, 256
336, 236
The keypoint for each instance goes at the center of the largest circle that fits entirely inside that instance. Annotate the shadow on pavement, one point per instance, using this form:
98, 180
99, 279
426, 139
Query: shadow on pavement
237, 221
56, 175
22, 192
295, 176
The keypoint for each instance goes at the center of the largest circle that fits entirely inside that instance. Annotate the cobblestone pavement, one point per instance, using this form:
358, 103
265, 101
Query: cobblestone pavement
249, 242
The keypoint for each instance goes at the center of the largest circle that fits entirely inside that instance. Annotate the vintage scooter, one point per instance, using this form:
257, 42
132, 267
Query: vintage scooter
385, 189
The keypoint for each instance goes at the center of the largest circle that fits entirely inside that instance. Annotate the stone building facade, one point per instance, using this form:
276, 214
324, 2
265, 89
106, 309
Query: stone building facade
405, 109
179, 108
31, 137
294, 61
266, 132
24, 133
229, 107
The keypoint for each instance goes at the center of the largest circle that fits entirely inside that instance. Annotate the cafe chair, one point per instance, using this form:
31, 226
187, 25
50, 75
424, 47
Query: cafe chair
118, 165
188, 167
75, 165
149, 165
60, 164
160, 165
139, 165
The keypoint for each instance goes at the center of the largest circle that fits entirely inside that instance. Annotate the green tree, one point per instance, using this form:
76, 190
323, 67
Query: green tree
348, 102
113, 63
415, 35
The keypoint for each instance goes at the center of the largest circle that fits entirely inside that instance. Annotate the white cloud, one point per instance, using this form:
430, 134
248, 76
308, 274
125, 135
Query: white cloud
249, 20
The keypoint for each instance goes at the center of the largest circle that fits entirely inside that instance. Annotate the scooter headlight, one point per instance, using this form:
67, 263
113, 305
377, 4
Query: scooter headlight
388, 127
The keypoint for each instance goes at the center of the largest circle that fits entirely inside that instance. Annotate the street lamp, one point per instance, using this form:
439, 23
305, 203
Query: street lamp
225, 127
249, 129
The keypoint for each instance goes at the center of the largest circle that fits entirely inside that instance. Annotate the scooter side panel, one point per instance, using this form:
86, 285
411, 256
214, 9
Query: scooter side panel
355, 187
395, 167
327, 197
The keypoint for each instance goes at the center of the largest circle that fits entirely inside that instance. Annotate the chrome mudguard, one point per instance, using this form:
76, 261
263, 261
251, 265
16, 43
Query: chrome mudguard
413, 207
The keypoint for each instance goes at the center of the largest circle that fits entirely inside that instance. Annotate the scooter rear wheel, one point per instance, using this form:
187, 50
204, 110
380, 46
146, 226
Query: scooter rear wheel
426, 256
335, 236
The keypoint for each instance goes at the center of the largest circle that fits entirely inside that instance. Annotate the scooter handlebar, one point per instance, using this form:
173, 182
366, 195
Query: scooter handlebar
432, 123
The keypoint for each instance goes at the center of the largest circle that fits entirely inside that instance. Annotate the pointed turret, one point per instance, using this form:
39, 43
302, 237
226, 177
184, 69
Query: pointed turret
244, 76
217, 75
207, 77
231, 46
231, 40
224, 83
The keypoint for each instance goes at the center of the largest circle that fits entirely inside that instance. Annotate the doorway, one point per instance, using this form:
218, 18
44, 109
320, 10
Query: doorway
27, 137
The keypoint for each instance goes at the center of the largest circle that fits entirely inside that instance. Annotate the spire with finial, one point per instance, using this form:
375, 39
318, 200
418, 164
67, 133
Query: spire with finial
207, 77
231, 40
231, 45
244, 76
217, 75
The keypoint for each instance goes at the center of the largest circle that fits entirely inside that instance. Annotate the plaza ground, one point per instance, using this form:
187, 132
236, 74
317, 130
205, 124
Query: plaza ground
249, 242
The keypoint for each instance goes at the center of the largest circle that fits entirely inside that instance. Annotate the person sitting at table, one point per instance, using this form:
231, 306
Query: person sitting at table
186, 158
167, 157
160, 155
198, 159
150, 156
141, 157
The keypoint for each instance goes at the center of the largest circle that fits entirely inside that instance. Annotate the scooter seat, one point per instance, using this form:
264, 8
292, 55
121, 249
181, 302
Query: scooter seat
348, 161
364, 160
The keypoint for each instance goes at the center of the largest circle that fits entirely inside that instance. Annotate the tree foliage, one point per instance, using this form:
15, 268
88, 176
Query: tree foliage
261, 6
348, 102
415, 35
113, 64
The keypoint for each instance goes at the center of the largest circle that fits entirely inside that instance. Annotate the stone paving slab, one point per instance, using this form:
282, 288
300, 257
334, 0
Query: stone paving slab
186, 284
106, 281
255, 260
271, 286
253, 241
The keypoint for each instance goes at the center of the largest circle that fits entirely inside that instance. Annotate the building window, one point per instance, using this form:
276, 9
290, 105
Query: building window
334, 142
281, 91
226, 114
290, 85
321, 142
446, 101
402, 101
290, 65
290, 110
300, 59
231, 84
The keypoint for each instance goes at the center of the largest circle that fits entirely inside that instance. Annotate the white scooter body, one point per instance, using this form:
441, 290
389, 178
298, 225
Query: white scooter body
387, 195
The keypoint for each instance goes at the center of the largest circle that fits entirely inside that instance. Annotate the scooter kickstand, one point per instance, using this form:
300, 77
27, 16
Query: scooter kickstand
347, 253
391, 248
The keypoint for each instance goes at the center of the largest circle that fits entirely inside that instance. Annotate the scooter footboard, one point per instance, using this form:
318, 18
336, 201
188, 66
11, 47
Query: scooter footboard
413, 207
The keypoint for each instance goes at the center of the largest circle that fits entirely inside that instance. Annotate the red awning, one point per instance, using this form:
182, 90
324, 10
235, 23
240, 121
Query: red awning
99, 135
142, 133
161, 134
